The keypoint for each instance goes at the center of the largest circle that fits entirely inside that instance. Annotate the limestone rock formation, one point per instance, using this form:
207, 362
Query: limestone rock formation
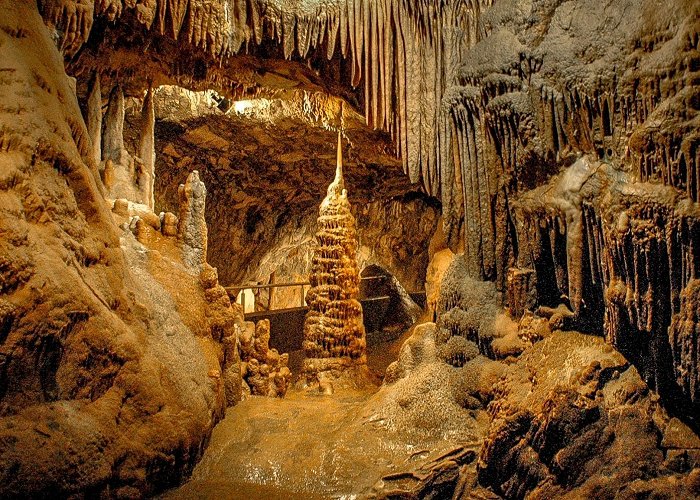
684, 336
192, 225
469, 310
264, 370
225, 320
146, 176
334, 335
573, 418
110, 380
558, 139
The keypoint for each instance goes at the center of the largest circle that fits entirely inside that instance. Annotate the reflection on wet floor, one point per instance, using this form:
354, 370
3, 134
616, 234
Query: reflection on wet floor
313, 446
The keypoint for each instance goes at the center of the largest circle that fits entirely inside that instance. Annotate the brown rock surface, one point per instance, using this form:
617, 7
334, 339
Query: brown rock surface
565, 419
265, 371
109, 377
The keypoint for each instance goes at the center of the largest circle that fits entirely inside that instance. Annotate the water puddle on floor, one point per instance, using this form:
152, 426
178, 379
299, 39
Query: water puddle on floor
309, 445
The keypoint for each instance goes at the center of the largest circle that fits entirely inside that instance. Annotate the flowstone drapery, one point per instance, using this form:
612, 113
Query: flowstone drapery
334, 334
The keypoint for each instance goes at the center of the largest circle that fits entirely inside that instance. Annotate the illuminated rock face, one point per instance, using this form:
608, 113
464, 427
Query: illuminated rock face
334, 335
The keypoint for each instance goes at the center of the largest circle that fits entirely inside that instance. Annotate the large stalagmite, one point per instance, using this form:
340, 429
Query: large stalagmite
334, 335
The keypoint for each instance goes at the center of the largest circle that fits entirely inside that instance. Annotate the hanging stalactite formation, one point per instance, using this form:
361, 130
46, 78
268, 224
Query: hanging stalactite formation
388, 44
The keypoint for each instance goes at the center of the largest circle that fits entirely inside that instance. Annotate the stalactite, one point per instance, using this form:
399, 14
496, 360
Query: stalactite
684, 336
404, 55
73, 18
650, 260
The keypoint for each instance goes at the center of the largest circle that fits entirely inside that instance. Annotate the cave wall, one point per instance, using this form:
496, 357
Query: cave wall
110, 380
574, 159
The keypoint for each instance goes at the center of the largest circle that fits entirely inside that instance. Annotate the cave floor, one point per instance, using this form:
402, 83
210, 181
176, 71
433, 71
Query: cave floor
308, 445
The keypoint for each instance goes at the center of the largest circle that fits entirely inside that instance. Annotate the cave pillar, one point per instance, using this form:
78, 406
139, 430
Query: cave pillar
113, 131
334, 333
147, 150
123, 183
192, 226
94, 118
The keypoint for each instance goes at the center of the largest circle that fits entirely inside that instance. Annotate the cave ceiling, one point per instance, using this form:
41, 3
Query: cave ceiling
271, 151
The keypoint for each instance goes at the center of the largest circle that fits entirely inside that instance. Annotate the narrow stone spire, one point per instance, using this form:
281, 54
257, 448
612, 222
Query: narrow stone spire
339, 164
337, 187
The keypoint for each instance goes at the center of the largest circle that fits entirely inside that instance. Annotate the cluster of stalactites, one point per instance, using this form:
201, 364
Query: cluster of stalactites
333, 329
400, 51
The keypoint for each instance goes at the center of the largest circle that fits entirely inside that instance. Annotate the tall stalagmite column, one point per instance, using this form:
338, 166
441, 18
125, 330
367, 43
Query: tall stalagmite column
334, 334
147, 150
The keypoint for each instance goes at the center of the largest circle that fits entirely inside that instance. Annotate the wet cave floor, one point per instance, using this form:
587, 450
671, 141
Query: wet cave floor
309, 445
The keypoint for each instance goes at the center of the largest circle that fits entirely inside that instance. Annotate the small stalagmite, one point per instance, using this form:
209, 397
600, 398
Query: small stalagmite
192, 226
334, 334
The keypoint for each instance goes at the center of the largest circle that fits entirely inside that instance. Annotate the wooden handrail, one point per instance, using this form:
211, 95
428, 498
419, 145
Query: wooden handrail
293, 283
269, 285
238, 289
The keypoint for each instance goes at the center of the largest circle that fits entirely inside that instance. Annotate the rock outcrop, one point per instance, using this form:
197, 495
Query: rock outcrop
264, 370
565, 418
110, 380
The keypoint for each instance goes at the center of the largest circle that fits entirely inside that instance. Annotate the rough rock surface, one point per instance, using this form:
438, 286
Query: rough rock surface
264, 370
573, 419
607, 93
424, 394
110, 380
470, 318
192, 226
619, 255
